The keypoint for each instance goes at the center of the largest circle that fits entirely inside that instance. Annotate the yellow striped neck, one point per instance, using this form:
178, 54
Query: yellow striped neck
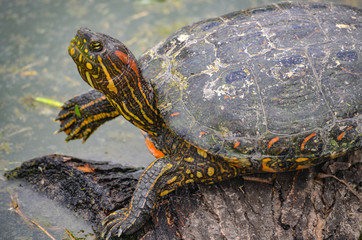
129, 92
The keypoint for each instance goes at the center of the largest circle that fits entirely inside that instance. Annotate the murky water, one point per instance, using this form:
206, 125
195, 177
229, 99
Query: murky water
34, 36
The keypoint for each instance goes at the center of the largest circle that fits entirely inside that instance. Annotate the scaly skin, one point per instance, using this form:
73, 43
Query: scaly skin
164, 175
94, 110
160, 178
252, 91
110, 68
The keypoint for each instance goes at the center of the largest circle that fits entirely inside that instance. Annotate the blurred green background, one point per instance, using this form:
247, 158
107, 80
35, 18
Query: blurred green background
34, 36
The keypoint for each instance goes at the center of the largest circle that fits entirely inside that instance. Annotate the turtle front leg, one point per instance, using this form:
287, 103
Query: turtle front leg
162, 177
82, 115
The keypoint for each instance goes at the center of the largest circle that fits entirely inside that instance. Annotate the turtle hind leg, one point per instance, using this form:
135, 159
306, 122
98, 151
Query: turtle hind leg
144, 197
162, 177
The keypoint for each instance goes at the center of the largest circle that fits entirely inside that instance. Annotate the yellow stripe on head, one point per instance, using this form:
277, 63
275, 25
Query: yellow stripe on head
89, 79
110, 85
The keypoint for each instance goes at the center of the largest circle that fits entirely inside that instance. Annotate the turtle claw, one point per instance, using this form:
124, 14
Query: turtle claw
113, 224
70, 121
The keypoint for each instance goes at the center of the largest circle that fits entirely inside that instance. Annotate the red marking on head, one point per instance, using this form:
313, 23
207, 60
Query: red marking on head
306, 140
339, 138
134, 67
274, 140
236, 144
121, 55
152, 148
126, 60
175, 114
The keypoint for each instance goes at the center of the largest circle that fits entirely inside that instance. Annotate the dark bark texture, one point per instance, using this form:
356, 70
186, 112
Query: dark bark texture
319, 203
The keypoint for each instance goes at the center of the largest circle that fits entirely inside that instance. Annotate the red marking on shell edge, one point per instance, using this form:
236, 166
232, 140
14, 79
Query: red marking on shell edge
339, 138
274, 140
347, 71
195, 25
306, 140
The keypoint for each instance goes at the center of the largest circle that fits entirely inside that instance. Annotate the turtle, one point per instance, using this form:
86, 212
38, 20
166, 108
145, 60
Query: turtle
270, 89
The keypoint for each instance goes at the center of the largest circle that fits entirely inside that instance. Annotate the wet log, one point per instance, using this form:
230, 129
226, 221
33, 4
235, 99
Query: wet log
318, 203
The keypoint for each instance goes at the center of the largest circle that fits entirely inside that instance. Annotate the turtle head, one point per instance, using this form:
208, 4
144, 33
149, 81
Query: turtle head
101, 59
108, 66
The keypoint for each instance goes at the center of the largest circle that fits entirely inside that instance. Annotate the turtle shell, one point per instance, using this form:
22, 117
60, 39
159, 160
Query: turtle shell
281, 80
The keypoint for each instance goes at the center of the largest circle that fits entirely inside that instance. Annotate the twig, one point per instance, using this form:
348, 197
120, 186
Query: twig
16, 208
322, 175
256, 179
70, 234
41, 228
19, 131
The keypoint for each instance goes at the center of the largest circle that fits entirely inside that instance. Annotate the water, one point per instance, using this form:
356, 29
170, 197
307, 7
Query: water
34, 36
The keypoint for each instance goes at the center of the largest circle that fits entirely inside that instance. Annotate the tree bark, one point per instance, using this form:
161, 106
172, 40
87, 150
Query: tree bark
318, 203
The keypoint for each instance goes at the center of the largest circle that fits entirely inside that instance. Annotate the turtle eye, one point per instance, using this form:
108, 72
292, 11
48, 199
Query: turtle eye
96, 46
